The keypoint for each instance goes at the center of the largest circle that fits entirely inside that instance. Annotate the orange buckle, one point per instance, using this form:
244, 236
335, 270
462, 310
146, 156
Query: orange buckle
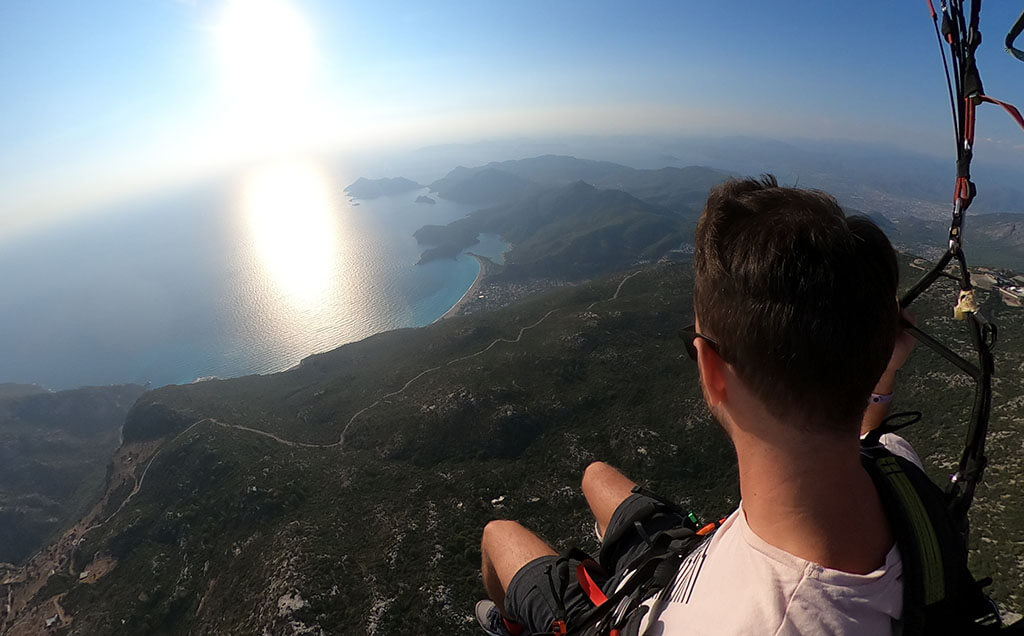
558, 628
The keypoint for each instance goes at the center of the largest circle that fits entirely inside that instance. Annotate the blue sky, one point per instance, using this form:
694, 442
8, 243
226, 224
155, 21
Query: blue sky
104, 99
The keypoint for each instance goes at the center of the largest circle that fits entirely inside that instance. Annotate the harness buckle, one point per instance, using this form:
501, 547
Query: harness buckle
558, 628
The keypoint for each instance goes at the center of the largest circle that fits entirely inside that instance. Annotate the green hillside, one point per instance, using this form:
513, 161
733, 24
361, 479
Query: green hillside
347, 495
54, 451
571, 218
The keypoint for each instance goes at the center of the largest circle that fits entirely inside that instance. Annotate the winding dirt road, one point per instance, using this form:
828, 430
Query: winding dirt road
36, 572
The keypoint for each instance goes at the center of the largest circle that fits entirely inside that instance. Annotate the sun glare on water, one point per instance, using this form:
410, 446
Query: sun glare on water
290, 213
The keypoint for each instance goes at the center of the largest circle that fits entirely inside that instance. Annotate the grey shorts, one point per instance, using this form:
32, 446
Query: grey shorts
533, 594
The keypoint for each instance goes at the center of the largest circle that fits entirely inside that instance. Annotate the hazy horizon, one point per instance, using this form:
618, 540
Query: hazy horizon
841, 165
172, 174
109, 105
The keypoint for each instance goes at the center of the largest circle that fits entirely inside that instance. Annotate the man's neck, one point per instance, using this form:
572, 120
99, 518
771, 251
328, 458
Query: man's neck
811, 497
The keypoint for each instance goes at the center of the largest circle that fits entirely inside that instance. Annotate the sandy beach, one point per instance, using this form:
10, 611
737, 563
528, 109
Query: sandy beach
485, 265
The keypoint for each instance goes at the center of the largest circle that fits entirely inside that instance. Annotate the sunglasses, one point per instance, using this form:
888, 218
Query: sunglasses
688, 333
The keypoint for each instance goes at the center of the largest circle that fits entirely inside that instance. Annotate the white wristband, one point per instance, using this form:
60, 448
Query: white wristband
880, 398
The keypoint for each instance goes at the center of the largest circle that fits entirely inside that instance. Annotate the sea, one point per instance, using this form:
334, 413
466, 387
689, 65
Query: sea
244, 275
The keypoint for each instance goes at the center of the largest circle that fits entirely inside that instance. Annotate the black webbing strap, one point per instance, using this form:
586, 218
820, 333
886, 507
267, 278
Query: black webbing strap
1015, 30
973, 460
963, 483
558, 581
651, 572
652, 505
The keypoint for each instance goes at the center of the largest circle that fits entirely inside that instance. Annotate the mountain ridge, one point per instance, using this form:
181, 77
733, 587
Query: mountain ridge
579, 220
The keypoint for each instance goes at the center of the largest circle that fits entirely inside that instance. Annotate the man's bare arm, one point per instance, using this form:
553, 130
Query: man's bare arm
876, 412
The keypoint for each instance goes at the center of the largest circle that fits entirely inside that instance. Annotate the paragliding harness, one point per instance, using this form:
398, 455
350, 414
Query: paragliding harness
620, 612
939, 593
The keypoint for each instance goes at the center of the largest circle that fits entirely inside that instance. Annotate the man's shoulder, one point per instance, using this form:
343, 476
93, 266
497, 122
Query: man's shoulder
738, 583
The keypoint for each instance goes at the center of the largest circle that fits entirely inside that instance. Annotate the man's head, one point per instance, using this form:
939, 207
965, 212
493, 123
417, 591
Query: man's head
800, 299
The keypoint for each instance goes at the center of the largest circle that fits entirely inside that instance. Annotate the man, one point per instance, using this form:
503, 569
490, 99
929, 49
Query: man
797, 338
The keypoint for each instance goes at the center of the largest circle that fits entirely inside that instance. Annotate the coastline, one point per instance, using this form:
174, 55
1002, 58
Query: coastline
485, 265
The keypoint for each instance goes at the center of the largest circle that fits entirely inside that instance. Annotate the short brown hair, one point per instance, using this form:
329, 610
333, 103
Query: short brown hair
800, 298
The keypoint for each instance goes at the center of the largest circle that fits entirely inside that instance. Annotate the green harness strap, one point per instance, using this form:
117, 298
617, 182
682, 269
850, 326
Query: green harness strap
939, 593
928, 552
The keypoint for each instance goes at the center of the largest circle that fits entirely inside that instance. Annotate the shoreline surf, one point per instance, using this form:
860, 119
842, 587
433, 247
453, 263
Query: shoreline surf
483, 264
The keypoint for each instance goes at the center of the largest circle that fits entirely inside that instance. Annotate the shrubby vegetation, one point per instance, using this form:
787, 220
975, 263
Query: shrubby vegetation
347, 495
236, 532
54, 450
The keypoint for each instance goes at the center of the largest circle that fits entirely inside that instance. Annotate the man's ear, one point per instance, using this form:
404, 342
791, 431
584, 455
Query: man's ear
712, 372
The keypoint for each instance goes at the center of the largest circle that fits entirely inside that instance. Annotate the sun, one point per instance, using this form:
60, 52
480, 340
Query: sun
264, 45
267, 61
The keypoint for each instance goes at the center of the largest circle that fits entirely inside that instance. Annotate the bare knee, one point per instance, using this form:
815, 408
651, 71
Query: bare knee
592, 474
499, 531
506, 547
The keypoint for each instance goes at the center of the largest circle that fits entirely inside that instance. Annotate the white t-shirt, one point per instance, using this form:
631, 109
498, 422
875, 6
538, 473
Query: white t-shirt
899, 446
737, 583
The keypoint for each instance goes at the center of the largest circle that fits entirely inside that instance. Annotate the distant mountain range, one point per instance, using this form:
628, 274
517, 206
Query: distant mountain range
540, 207
993, 240
571, 217
883, 178
482, 186
506, 181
